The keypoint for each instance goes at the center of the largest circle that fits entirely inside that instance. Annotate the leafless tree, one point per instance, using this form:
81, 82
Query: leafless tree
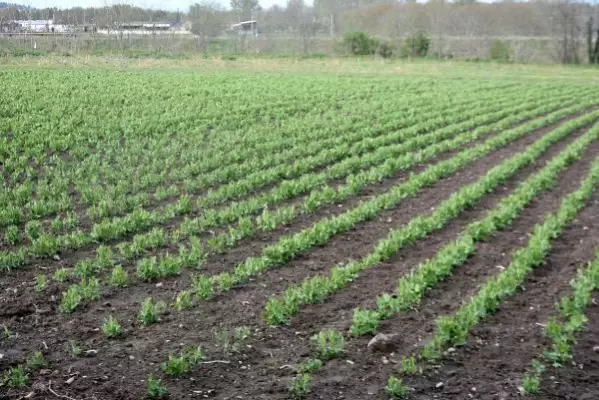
567, 23
302, 23
244, 9
564, 26
592, 34
208, 20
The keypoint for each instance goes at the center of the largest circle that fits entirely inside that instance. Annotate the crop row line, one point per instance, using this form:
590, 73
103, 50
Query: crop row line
412, 287
141, 219
393, 159
218, 159
315, 289
305, 158
270, 220
151, 268
105, 202
561, 328
453, 330
319, 233
250, 174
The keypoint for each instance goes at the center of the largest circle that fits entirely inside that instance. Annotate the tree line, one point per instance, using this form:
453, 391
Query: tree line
567, 30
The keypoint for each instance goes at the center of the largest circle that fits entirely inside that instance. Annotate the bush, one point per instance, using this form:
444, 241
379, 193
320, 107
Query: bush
500, 51
359, 43
416, 45
385, 49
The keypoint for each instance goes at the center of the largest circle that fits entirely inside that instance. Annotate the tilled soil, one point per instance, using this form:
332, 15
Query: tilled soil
262, 367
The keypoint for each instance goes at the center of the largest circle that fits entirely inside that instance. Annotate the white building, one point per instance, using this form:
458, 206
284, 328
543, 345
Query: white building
246, 28
38, 26
33, 26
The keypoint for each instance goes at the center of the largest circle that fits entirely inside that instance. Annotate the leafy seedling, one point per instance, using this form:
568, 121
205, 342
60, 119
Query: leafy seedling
154, 388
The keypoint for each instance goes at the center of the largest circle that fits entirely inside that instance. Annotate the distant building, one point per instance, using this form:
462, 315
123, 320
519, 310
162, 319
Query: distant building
145, 26
249, 28
37, 26
34, 26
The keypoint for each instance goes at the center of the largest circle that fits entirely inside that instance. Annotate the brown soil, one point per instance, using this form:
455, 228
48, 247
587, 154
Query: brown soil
116, 369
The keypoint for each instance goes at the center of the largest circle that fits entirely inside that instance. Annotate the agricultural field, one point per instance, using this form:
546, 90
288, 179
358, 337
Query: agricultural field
232, 234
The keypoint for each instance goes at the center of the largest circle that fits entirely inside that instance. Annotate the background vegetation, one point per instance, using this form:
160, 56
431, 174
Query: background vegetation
541, 31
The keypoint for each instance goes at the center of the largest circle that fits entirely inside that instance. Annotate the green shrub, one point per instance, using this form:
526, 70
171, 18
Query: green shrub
111, 327
16, 377
416, 45
310, 366
385, 48
500, 51
36, 361
359, 43
362, 44
176, 366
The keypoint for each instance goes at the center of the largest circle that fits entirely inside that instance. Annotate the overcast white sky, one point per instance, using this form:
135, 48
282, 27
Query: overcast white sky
163, 4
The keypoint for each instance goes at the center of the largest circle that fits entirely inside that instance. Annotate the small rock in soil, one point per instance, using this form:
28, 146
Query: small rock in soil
503, 395
384, 343
596, 349
439, 385
38, 388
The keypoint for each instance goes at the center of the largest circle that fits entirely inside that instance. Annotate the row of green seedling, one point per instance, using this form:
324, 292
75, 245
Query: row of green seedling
319, 233
453, 330
267, 221
141, 219
316, 289
561, 329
